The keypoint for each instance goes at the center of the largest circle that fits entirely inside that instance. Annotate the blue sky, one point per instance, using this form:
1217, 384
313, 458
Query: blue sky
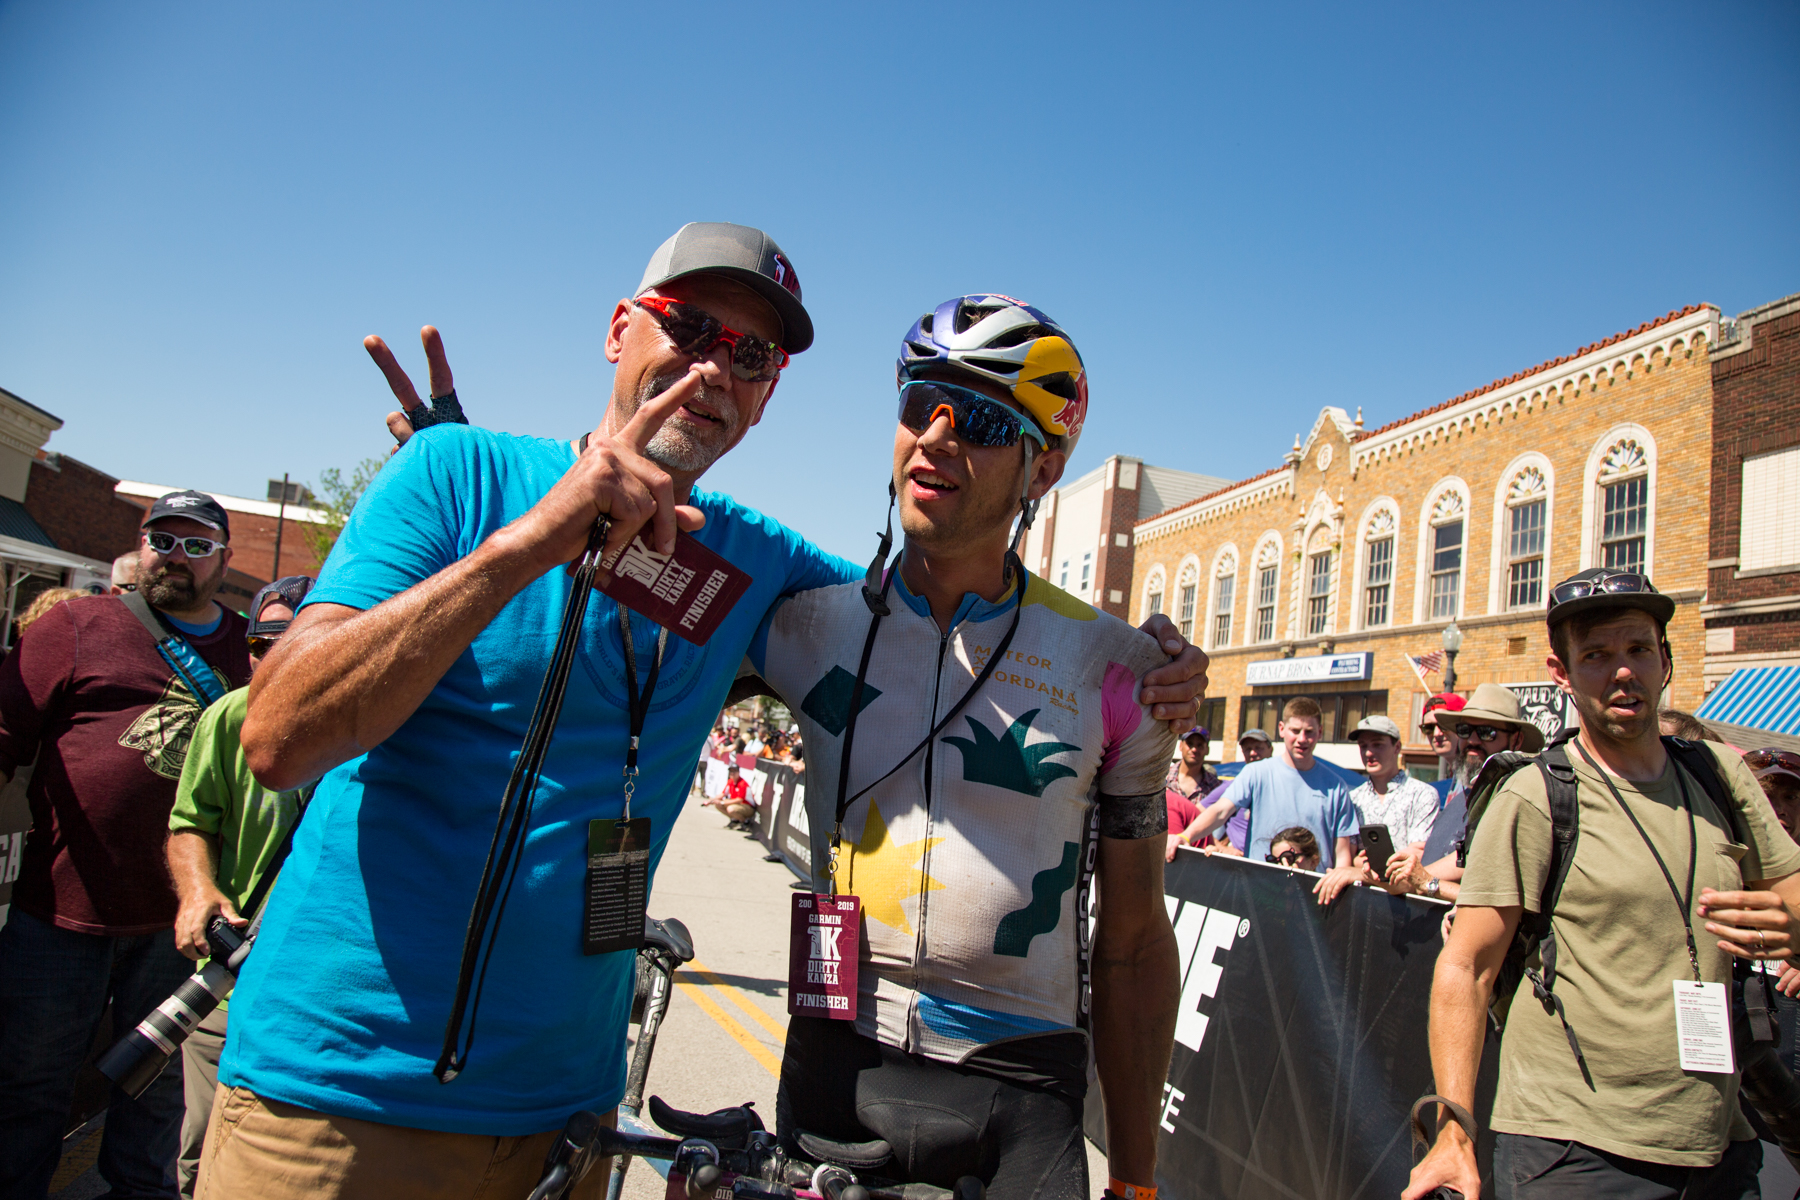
1241, 213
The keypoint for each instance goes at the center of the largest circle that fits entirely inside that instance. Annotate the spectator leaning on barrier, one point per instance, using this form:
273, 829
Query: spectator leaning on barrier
1625, 1118
1389, 796
224, 833
1291, 788
1295, 847
108, 718
406, 682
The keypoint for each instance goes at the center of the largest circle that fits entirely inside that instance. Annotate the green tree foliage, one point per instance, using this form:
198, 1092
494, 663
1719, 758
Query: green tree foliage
335, 496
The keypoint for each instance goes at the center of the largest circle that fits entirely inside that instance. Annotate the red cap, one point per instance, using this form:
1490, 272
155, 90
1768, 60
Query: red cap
1448, 701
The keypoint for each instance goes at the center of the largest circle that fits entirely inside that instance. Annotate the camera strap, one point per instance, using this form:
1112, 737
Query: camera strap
515, 815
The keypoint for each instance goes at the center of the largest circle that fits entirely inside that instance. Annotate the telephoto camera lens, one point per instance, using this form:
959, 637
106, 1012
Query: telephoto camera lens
136, 1059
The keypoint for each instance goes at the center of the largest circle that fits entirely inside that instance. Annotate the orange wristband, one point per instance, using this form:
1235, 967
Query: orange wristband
1130, 1191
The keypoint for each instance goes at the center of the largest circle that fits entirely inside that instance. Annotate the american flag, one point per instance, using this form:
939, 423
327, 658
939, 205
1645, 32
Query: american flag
1426, 664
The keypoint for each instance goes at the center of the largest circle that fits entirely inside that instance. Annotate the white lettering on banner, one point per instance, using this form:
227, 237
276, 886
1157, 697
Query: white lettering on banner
798, 821
796, 849
10, 846
759, 783
1319, 668
715, 777
1170, 1095
1200, 935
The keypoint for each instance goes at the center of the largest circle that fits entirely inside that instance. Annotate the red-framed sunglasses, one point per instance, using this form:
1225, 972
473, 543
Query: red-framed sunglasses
696, 331
1762, 760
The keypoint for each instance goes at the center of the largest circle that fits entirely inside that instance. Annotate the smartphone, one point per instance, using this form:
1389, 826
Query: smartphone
1378, 843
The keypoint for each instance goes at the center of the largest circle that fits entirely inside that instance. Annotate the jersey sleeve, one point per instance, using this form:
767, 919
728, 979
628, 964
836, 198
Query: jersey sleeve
1134, 766
405, 527
208, 787
1509, 852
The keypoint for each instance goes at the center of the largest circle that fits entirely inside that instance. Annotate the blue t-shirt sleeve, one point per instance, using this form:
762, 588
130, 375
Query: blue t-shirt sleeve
1341, 814
810, 567
1239, 789
404, 528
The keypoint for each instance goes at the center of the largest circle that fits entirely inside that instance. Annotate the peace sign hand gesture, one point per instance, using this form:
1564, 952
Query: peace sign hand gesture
443, 385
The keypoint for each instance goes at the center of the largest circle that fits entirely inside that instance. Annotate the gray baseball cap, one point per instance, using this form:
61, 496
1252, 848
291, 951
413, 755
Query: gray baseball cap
1253, 735
1377, 724
740, 253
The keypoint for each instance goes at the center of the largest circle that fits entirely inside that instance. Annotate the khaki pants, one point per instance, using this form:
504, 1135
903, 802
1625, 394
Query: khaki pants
268, 1150
199, 1080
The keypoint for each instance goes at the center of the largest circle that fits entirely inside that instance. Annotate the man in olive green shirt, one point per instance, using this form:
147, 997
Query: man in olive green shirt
1636, 1124
224, 831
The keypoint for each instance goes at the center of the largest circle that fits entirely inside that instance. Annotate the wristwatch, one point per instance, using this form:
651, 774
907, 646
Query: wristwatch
1433, 886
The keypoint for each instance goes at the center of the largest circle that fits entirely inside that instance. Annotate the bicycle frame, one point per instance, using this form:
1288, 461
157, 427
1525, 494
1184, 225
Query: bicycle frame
661, 966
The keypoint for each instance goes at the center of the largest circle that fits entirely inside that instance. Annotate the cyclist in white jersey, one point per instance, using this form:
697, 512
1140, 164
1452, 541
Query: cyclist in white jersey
999, 759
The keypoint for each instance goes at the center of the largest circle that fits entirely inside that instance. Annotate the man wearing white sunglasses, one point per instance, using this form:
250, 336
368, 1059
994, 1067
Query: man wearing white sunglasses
104, 693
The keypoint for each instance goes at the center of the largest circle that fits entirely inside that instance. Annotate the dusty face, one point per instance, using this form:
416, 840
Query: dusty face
721, 414
952, 492
175, 582
1619, 670
1300, 735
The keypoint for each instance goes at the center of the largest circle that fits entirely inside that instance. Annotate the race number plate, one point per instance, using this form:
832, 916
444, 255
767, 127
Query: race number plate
824, 945
618, 885
688, 592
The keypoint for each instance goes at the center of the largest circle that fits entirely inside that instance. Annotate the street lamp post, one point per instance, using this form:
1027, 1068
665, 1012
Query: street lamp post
1452, 643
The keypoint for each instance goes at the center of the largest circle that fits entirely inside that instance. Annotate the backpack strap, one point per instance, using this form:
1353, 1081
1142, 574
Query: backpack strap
182, 658
1562, 793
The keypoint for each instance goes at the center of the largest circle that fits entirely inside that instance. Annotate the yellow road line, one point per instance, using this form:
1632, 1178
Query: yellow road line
730, 1025
776, 1029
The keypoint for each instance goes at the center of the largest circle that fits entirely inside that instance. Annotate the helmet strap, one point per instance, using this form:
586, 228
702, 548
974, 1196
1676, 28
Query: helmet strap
1027, 506
875, 587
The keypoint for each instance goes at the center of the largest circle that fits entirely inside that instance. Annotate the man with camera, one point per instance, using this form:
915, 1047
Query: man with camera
225, 833
407, 681
1620, 1083
104, 692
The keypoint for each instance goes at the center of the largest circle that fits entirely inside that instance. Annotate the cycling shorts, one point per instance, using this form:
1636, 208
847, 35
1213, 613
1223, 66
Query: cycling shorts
943, 1120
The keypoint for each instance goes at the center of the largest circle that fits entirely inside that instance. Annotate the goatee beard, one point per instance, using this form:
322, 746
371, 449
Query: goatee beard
674, 447
171, 590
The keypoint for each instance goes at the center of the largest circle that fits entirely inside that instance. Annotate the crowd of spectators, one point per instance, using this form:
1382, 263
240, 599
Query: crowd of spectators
733, 743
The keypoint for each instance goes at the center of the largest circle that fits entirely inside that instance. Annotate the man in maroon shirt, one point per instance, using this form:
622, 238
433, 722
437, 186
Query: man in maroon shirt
88, 694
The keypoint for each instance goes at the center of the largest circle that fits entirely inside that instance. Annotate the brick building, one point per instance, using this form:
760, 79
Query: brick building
1318, 576
1752, 609
1081, 540
77, 506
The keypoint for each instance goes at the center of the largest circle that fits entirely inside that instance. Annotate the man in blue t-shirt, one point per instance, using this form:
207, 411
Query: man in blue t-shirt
1291, 788
407, 682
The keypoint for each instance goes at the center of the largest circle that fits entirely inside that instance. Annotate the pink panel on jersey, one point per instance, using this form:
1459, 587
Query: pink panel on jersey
1119, 712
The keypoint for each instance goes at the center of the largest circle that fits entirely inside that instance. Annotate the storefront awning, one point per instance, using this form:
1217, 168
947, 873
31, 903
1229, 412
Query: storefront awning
1765, 698
17, 550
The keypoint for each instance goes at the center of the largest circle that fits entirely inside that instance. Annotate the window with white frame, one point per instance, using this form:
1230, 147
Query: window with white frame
1446, 534
1624, 506
1153, 596
1189, 592
1769, 511
1224, 596
1318, 591
1087, 569
1526, 506
1378, 571
1063, 577
1268, 579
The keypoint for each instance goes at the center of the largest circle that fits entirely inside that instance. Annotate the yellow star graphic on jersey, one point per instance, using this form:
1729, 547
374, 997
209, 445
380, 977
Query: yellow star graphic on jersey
883, 873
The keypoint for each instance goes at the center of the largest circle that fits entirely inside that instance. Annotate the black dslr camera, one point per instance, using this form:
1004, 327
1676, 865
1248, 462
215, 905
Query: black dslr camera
136, 1059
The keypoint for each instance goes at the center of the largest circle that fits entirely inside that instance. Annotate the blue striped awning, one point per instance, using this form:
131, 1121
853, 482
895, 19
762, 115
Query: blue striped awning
1757, 697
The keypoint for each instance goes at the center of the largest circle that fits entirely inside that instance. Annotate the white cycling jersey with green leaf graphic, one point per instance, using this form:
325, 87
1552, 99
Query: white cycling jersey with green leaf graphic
972, 861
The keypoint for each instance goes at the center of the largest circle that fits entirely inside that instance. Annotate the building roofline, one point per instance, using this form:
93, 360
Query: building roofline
138, 490
46, 413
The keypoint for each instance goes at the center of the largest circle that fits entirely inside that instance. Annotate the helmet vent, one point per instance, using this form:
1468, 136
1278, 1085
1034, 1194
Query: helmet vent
969, 315
1059, 383
1017, 337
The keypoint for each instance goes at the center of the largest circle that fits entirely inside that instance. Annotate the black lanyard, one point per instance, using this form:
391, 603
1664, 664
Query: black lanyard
1016, 570
637, 707
1686, 906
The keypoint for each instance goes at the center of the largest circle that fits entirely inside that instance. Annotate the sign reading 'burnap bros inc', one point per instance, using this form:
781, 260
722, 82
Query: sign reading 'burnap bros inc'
1319, 668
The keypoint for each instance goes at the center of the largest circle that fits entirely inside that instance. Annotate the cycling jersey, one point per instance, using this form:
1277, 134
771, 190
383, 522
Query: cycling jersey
972, 861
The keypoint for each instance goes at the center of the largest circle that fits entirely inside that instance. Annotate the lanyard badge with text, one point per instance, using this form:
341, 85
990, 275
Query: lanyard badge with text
618, 851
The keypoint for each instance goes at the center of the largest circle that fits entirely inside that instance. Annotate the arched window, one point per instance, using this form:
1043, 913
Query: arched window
1319, 556
1268, 584
1624, 506
1527, 529
1153, 592
1187, 597
1443, 551
1224, 596
1380, 533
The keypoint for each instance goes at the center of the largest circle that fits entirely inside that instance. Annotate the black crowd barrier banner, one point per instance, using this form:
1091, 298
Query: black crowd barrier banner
1300, 1043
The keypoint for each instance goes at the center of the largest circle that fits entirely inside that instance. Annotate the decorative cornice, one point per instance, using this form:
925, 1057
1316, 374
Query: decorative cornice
1619, 357
1277, 482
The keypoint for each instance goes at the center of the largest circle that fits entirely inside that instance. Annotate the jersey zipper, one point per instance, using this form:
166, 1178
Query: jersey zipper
919, 939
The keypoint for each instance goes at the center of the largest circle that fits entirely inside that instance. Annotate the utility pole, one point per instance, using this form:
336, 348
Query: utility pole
280, 522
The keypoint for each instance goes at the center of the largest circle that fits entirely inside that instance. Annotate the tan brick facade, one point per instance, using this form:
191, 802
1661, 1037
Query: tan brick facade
1627, 421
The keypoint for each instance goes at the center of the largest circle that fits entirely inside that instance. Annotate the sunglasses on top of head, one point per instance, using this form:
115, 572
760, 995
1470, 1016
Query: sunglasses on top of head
193, 547
696, 331
976, 418
1611, 585
1762, 760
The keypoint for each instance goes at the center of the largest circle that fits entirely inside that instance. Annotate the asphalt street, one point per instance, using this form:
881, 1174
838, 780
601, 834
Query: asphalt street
721, 1042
